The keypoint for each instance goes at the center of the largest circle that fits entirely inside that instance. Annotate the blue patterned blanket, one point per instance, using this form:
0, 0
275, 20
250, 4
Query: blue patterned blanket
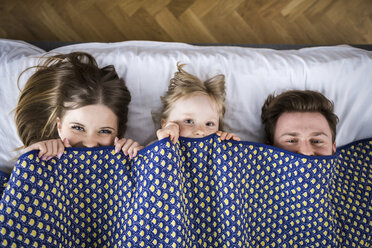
197, 193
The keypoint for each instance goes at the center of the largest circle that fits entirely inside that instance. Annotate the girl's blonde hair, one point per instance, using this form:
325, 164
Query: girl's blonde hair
183, 84
63, 82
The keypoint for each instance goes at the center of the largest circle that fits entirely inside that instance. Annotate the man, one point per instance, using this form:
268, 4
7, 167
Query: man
300, 121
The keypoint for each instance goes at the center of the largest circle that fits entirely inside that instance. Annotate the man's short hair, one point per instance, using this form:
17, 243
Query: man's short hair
296, 101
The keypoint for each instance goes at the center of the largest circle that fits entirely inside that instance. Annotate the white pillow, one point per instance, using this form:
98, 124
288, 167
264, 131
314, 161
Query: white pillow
15, 56
342, 73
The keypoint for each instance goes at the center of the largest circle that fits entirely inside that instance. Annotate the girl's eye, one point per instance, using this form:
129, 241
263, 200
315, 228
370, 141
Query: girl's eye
210, 124
189, 121
78, 128
105, 131
291, 141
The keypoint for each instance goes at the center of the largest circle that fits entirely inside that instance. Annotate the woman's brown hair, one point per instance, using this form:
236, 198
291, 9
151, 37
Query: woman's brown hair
296, 101
63, 82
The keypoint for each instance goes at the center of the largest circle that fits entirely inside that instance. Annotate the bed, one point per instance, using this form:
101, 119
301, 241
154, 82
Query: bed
199, 192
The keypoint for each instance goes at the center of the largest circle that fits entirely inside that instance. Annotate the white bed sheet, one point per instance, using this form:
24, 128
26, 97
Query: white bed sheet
343, 73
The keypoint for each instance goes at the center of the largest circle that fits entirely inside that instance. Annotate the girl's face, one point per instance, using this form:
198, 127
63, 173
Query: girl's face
196, 115
89, 126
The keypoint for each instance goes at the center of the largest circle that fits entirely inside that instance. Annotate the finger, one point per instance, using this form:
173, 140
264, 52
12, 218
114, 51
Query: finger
49, 147
131, 149
174, 133
137, 149
66, 143
223, 135
54, 149
174, 137
42, 149
134, 153
32, 147
161, 134
119, 144
232, 136
61, 148
229, 136
126, 146
219, 133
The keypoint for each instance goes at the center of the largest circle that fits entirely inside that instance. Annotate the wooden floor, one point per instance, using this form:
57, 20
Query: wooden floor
192, 21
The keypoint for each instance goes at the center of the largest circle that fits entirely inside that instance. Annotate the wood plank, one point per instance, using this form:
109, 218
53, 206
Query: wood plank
193, 21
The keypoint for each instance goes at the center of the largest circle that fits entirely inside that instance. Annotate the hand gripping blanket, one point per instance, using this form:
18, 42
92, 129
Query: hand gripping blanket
196, 193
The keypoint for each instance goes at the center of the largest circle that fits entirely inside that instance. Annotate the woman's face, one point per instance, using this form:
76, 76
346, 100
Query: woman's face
88, 126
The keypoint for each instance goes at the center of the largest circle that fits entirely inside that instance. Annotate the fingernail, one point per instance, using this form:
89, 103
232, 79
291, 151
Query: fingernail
117, 150
59, 155
116, 140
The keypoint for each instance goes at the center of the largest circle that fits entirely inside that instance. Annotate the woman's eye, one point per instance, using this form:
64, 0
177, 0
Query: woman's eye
106, 131
291, 141
188, 121
78, 128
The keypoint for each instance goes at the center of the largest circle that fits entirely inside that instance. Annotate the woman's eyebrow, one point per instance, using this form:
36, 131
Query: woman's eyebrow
108, 128
76, 123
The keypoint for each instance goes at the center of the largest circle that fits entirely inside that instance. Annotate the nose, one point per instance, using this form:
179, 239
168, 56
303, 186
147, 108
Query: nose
305, 149
90, 142
199, 131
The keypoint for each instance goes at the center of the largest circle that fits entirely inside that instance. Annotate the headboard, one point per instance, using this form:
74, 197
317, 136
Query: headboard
50, 45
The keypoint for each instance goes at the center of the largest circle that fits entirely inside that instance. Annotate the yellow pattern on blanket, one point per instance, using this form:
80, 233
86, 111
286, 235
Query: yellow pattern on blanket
197, 193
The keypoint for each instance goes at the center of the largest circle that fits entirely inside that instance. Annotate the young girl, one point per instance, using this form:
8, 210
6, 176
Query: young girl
70, 102
192, 108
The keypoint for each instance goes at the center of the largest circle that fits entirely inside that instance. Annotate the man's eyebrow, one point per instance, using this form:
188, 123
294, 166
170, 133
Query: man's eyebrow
294, 134
319, 134
289, 134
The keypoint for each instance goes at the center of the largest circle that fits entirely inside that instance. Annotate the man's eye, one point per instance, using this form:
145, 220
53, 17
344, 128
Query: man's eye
106, 131
316, 141
78, 128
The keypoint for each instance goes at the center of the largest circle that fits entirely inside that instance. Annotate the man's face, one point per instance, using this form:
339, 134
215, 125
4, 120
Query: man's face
306, 133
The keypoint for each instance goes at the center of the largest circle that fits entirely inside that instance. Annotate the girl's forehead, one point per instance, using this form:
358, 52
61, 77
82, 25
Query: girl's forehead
200, 100
195, 104
196, 99
196, 95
